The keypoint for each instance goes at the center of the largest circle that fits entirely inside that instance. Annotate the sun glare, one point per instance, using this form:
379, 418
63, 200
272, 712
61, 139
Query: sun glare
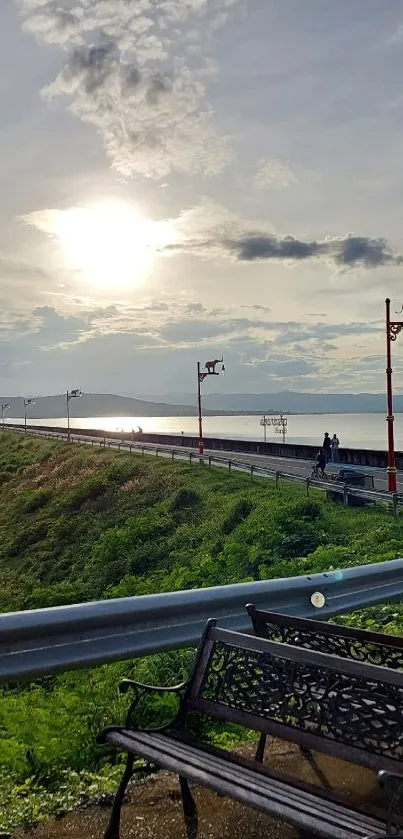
109, 243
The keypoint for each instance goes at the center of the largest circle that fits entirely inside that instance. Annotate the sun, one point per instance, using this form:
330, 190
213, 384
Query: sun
109, 243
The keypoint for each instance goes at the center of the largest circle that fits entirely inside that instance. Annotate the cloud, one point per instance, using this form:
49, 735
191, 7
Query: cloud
209, 231
195, 308
274, 174
347, 251
129, 75
57, 330
396, 38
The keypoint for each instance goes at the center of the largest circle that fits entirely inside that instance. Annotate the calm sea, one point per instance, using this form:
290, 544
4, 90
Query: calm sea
353, 430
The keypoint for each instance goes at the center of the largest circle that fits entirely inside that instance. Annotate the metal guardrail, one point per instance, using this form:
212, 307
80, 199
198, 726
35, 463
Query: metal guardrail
47, 641
394, 501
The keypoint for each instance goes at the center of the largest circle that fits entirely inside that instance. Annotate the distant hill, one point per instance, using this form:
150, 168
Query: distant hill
95, 405
183, 405
297, 403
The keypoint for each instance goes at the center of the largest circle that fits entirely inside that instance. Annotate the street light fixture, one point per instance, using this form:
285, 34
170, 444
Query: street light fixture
4, 407
209, 370
26, 403
393, 327
76, 393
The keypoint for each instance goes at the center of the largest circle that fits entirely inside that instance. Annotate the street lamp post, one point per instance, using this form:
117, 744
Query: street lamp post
26, 403
76, 393
209, 370
4, 407
393, 327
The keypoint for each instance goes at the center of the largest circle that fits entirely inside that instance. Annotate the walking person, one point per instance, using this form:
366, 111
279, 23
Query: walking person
327, 446
335, 448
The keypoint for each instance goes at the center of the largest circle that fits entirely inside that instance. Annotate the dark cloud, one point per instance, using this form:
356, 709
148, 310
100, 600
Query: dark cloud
257, 246
359, 250
347, 251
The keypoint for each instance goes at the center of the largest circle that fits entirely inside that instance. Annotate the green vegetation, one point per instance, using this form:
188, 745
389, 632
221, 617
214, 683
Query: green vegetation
81, 524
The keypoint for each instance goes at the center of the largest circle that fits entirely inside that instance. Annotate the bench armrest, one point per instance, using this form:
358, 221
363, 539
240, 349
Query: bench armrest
139, 702
392, 783
127, 684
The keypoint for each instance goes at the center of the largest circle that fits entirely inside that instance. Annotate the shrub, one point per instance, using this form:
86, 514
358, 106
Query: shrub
184, 499
87, 491
308, 509
36, 499
239, 512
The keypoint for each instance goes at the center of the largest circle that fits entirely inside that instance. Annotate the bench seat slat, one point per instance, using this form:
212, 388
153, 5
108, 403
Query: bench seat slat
230, 769
275, 797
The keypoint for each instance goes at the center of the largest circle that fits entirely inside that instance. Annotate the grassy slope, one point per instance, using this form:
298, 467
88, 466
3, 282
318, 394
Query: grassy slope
79, 524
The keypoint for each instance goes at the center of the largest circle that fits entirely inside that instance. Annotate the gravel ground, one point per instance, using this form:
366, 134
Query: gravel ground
153, 809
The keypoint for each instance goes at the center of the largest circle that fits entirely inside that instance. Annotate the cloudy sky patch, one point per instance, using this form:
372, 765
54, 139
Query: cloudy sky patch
199, 176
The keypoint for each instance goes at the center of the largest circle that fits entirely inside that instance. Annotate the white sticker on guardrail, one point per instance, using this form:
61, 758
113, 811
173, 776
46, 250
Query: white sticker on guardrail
318, 599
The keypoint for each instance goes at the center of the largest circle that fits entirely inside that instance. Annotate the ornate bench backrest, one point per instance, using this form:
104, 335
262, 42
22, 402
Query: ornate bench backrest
330, 704
345, 642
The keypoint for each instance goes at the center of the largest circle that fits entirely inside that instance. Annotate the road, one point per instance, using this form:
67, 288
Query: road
293, 466
296, 466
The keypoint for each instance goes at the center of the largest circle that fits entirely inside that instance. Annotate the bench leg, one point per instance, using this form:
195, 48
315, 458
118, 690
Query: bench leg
312, 762
189, 809
259, 754
112, 831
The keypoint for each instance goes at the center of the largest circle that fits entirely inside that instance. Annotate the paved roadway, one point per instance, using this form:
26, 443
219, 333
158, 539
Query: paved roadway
294, 466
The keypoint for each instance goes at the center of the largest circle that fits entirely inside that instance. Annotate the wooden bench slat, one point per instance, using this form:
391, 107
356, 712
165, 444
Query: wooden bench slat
275, 797
210, 760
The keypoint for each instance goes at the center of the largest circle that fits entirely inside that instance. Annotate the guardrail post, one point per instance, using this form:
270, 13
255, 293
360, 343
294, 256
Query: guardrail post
345, 496
229, 466
190, 458
156, 452
209, 462
104, 442
277, 479
251, 471
308, 484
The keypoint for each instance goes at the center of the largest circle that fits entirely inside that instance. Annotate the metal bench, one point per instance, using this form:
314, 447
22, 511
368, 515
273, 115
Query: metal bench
349, 710
343, 641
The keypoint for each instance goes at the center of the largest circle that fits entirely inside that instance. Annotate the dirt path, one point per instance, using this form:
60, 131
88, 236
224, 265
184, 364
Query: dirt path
153, 809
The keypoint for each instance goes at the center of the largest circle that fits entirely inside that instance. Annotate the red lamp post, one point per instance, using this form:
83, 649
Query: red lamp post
201, 375
392, 330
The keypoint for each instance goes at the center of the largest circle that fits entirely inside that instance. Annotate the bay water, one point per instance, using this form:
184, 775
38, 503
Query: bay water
366, 431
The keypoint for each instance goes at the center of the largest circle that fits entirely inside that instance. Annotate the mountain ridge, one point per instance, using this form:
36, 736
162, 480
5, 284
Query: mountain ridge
174, 404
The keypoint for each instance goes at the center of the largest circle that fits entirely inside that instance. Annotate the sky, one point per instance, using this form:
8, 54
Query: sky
183, 179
